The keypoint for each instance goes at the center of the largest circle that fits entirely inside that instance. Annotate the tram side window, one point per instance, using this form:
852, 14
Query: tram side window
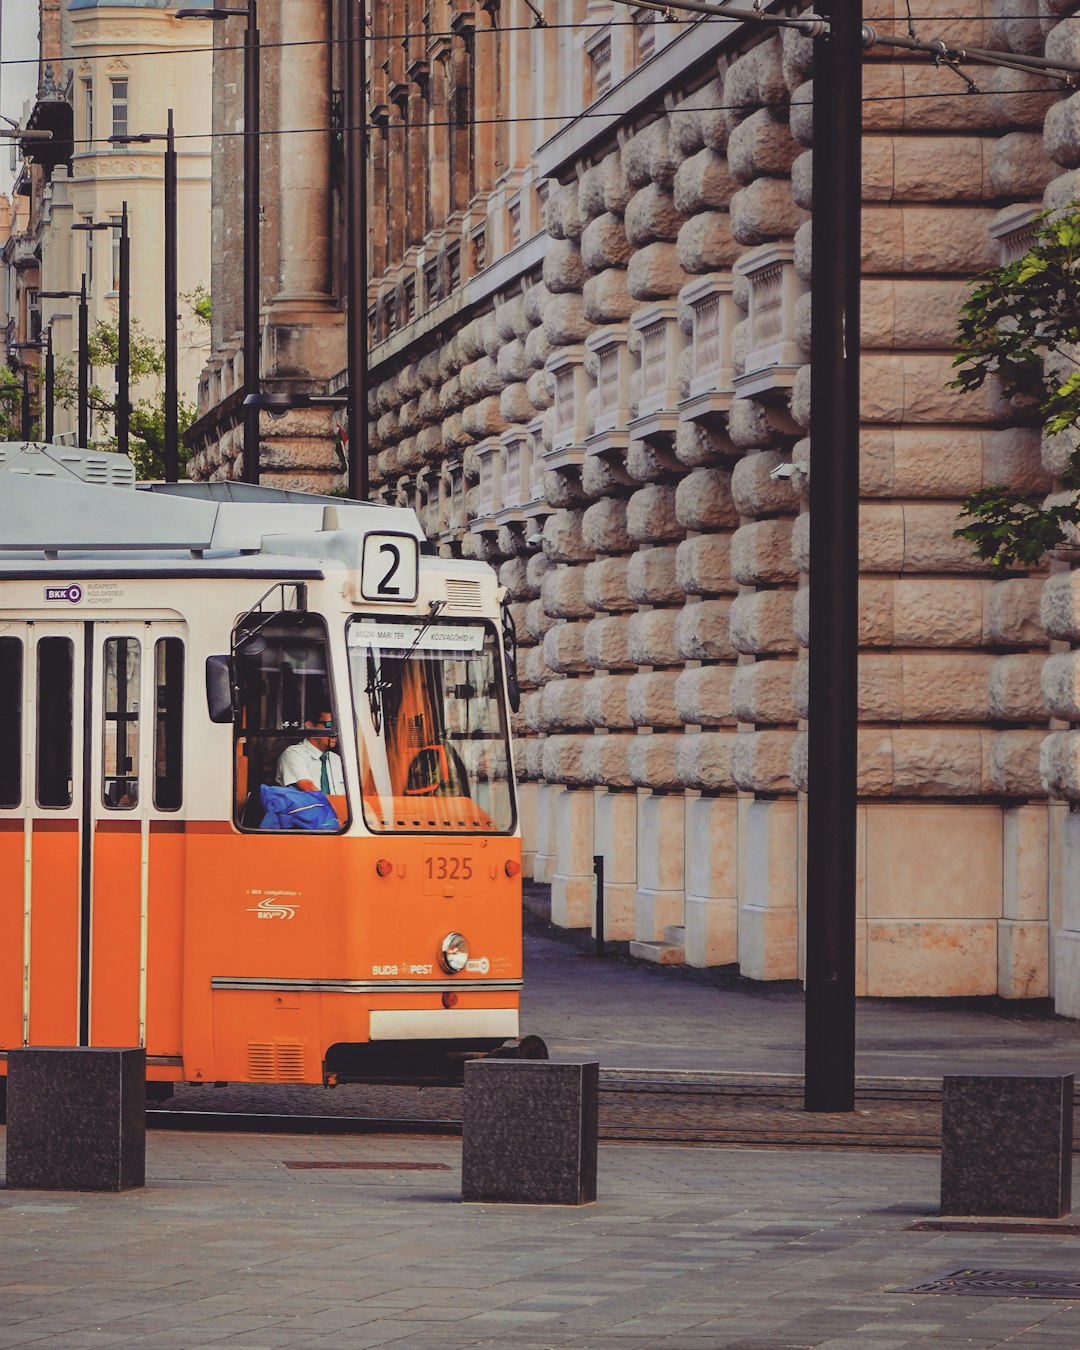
168, 723
120, 724
11, 703
55, 702
286, 728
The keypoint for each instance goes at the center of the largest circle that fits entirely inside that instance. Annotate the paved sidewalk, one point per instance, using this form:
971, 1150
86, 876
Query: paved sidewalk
632, 1014
686, 1248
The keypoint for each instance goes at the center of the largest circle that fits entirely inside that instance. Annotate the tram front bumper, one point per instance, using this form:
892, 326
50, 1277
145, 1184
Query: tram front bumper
443, 1024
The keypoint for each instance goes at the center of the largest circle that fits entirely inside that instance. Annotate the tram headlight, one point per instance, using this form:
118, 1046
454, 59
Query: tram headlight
454, 953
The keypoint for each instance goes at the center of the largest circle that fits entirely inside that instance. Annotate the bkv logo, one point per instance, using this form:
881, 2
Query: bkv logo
273, 909
72, 594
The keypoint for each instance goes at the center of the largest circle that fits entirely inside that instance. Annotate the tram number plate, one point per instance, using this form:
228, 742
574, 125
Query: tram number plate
448, 873
390, 568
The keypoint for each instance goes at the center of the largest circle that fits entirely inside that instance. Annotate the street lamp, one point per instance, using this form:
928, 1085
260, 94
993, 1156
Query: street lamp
15, 134
277, 405
172, 317
123, 337
251, 219
83, 402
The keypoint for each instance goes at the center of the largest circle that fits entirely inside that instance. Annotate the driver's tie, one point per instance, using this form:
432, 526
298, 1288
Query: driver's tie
324, 772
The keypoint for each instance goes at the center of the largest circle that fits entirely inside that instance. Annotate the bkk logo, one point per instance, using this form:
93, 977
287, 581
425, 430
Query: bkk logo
72, 593
273, 909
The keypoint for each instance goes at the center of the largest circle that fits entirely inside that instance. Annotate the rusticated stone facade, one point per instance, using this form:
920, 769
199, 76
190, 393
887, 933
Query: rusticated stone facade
586, 365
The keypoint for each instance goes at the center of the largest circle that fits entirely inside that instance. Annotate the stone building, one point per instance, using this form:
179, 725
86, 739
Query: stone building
589, 318
114, 68
301, 175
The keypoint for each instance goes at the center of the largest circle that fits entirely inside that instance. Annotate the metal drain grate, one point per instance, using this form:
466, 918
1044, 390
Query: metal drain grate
999, 1284
367, 1167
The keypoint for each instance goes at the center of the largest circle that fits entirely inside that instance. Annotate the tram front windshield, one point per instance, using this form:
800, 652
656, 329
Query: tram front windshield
431, 726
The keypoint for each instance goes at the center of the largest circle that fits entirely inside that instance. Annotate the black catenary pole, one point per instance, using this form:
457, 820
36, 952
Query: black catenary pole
356, 243
834, 562
252, 262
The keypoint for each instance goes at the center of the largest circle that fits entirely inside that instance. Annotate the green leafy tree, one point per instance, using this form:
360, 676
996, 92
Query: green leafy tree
11, 406
1021, 325
146, 423
199, 300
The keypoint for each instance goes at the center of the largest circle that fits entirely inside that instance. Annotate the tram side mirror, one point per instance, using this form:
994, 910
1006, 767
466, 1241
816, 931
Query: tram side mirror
219, 694
510, 652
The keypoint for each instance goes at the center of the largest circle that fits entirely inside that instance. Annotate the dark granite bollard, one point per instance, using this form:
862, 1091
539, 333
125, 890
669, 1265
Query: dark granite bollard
529, 1132
76, 1119
1006, 1145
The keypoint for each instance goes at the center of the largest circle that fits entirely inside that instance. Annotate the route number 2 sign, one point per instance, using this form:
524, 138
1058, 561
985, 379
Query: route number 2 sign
390, 568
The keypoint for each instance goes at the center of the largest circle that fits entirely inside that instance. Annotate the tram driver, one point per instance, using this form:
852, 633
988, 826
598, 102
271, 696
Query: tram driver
313, 765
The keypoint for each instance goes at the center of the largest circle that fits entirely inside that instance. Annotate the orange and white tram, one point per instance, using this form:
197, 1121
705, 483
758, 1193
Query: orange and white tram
168, 877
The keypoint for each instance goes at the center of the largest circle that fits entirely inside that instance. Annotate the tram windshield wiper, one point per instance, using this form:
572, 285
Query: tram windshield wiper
377, 684
374, 690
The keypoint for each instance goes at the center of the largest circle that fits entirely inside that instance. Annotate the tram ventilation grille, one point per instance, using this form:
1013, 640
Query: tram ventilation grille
464, 595
276, 1061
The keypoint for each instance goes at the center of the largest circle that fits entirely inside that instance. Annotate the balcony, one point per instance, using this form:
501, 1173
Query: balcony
22, 252
611, 360
662, 343
516, 485
489, 454
567, 369
711, 390
451, 501
773, 357
1014, 229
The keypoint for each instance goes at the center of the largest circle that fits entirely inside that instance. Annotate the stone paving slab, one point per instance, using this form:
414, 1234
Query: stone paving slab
686, 1249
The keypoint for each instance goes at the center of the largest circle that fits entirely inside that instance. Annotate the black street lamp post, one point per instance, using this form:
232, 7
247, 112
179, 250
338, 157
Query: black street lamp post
123, 342
252, 262
26, 412
50, 386
123, 335
83, 400
172, 302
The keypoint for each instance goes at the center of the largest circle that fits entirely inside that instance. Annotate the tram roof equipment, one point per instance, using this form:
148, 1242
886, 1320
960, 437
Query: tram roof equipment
59, 500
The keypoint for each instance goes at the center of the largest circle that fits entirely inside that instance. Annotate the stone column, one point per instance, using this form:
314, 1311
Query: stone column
304, 334
304, 206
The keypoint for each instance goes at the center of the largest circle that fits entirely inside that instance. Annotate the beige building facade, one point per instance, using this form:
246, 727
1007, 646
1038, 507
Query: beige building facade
589, 319
118, 68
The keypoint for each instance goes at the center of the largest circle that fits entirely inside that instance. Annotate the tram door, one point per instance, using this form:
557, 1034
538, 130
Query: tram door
91, 844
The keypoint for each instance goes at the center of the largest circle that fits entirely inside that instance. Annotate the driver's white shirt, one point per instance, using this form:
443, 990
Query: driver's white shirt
305, 761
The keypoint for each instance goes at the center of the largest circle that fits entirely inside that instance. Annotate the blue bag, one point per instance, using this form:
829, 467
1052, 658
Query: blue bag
291, 808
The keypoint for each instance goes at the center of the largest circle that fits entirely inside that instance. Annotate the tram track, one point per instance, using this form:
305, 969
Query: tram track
636, 1107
